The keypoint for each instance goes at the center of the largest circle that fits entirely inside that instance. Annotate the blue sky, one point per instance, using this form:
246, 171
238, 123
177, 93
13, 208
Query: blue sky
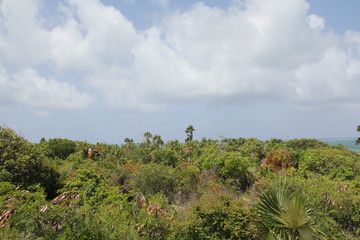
104, 70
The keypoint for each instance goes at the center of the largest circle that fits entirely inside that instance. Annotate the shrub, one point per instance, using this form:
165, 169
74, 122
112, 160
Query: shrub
234, 170
254, 148
89, 184
167, 157
156, 178
25, 164
19, 211
187, 180
216, 217
61, 148
334, 162
304, 143
278, 160
337, 200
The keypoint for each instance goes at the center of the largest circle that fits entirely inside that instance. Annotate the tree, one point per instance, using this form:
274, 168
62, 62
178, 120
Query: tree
129, 141
147, 138
189, 131
358, 140
157, 141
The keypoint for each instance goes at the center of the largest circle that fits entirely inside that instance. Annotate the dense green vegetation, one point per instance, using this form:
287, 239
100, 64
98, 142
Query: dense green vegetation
208, 189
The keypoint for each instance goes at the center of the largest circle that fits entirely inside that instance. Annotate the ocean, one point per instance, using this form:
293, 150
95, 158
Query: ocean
349, 143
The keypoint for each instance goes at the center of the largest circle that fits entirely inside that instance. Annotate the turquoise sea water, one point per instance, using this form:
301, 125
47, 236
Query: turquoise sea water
349, 143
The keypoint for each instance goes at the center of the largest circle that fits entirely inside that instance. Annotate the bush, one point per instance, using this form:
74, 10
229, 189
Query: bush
304, 143
61, 148
89, 184
334, 162
167, 157
19, 211
254, 148
337, 200
25, 164
232, 144
278, 160
187, 180
156, 178
234, 170
216, 217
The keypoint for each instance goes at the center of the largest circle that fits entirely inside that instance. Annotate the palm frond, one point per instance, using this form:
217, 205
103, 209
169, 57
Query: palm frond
284, 214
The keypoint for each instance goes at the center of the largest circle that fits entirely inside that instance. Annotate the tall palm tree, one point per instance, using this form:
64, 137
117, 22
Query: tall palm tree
284, 214
158, 141
147, 138
189, 132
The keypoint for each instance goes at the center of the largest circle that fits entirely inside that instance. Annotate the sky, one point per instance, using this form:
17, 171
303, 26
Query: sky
106, 70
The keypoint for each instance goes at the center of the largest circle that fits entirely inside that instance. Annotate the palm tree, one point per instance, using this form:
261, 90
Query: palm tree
284, 214
158, 141
147, 138
129, 142
189, 131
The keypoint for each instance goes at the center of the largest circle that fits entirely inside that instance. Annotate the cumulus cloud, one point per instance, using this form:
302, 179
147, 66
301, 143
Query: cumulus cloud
22, 41
316, 22
316, 82
265, 50
93, 36
28, 88
259, 49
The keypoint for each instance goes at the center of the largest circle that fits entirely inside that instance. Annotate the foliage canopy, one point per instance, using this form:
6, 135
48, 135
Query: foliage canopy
233, 188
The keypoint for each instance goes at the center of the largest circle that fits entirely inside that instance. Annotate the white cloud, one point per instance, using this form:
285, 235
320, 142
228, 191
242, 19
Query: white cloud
28, 88
261, 49
94, 36
268, 50
69, 49
109, 34
325, 80
316, 22
22, 41
352, 40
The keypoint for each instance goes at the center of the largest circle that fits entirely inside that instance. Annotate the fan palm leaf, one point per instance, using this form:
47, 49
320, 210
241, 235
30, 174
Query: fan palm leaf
284, 214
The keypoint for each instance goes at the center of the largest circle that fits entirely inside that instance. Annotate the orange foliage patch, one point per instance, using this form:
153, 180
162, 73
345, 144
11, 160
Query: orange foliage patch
185, 165
278, 160
131, 166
